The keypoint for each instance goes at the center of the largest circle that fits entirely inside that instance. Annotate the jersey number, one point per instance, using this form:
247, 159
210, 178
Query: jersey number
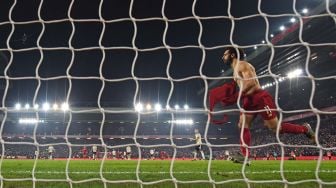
268, 110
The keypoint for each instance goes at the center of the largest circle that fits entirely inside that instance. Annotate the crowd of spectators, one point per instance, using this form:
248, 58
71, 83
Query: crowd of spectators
25, 146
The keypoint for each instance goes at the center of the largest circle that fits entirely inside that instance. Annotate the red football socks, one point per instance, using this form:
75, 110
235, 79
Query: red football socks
292, 128
247, 141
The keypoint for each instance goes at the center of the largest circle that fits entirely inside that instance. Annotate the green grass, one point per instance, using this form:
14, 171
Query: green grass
86, 173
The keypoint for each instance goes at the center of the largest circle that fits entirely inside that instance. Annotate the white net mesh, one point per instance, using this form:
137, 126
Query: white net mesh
105, 57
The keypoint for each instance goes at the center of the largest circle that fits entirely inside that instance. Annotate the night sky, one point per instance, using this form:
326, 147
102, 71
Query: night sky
152, 58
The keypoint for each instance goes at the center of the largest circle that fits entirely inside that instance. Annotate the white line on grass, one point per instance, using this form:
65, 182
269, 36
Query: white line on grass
166, 172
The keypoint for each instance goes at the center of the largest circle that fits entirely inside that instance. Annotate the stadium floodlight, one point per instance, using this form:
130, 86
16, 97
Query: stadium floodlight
294, 73
36, 106
65, 106
263, 41
30, 121
17, 106
55, 106
148, 107
255, 47
157, 107
167, 107
271, 35
281, 79
182, 121
27, 106
46, 106
282, 28
293, 20
305, 11
176, 107
186, 107
138, 107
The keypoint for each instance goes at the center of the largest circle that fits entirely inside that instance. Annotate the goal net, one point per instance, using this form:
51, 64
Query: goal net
115, 93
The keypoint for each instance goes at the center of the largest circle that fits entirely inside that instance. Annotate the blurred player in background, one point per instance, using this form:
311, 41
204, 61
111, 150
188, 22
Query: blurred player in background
151, 153
255, 155
36, 154
268, 155
293, 156
84, 152
128, 152
114, 154
51, 151
94, 152
275, 155
123, 155
227, 155
329, 155
198, 148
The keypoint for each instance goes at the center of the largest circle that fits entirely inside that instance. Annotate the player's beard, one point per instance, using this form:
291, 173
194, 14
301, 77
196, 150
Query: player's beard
228, 63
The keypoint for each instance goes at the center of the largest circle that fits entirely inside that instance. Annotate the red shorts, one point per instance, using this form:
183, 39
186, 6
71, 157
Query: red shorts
260, 100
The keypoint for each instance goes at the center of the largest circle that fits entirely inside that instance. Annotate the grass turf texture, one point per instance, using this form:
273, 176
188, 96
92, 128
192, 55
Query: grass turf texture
86, 173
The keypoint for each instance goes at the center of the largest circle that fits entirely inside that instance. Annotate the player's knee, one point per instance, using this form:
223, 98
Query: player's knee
271, 126
239, 125
245, 125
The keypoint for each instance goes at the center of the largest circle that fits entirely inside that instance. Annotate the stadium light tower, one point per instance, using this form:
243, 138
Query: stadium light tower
282, 28
186, 107
177, 107
55, 106
36, 106
182, 121
26, 106
305, 11
30, 121
65, 106
294, 73
148, 107
46, 106
17, 106
157, 107
138, 107
167, 107
281, 79
293, 20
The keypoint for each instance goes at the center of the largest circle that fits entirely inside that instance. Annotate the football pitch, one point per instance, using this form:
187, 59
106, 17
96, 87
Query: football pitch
160, 173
